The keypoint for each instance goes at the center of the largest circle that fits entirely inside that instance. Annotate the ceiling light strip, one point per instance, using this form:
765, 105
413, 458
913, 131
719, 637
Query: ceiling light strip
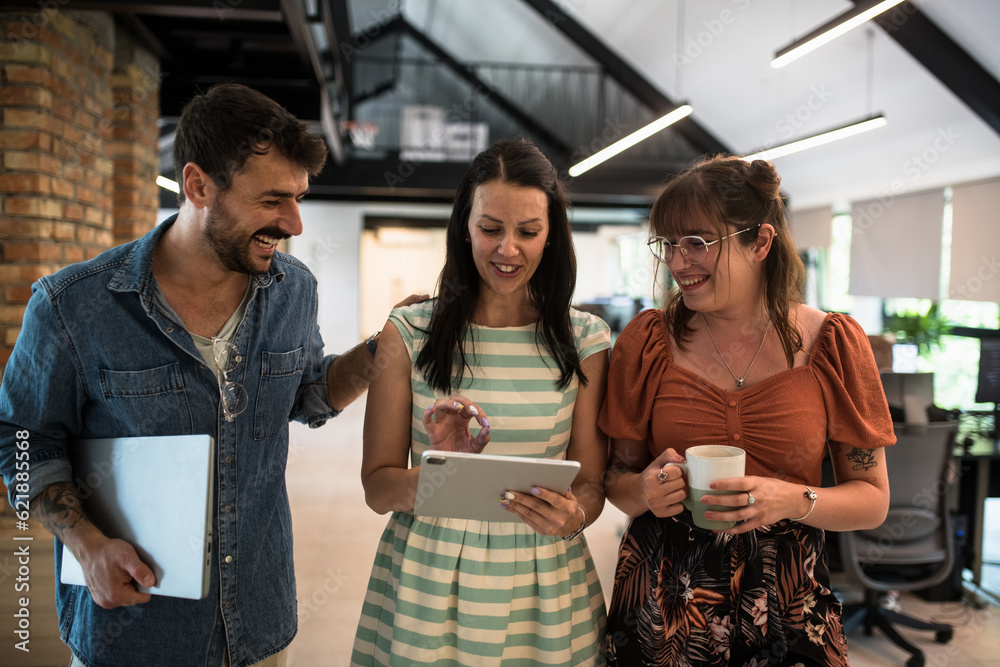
819, 139
631, 140
167, 184
830, 31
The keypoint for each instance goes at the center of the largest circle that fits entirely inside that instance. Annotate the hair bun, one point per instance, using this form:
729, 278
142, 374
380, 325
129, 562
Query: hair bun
762, 175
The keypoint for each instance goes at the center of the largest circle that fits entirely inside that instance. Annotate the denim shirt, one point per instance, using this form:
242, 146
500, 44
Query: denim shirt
97, 358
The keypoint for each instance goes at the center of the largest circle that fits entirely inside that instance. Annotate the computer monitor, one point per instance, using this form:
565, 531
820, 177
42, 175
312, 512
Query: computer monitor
988, 389
904, 358
909, 395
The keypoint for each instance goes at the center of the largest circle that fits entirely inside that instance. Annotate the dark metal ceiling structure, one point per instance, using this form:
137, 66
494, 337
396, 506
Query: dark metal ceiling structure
325, 67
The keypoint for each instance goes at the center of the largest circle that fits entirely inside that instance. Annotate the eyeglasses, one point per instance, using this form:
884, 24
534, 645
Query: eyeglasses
232, 395
693, 248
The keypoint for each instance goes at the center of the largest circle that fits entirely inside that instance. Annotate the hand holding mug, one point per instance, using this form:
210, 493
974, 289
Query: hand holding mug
756, 501
663, 489
704, 465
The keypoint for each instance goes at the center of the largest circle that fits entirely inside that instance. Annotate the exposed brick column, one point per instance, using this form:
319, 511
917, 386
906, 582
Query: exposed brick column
136, 88
55, 140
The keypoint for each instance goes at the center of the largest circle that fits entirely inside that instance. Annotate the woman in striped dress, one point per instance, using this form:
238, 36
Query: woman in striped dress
500, 346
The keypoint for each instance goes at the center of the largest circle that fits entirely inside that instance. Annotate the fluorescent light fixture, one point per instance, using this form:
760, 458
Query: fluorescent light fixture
631, 140
819, 139
167, 184
831, 30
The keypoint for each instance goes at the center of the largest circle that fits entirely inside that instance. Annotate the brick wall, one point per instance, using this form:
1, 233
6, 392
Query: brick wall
78, 152
135, 86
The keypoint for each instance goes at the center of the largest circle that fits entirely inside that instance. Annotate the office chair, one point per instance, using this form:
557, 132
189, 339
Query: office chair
914, 548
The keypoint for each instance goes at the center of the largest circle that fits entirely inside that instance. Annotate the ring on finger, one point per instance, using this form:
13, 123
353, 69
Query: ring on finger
662, 476
750, 499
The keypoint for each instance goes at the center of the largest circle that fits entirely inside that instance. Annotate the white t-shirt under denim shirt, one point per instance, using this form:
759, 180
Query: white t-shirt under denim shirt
206, 346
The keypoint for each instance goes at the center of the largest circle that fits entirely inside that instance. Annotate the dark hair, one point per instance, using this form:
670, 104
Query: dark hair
220, 129
517, 162
727, 192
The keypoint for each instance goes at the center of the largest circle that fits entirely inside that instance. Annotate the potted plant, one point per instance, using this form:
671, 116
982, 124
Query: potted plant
924, 330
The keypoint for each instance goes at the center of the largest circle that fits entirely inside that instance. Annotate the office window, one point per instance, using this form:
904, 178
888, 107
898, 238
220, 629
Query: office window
954, 377
835, 269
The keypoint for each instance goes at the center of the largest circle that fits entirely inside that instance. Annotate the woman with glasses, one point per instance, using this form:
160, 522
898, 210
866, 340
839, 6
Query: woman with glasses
735, 358
501, 347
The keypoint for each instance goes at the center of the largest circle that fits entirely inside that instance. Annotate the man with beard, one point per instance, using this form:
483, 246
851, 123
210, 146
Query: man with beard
200, 326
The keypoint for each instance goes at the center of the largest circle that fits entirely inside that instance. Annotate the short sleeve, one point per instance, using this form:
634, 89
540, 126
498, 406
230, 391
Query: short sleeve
842, 360
412, 322
592, 333
640, 356
402, 318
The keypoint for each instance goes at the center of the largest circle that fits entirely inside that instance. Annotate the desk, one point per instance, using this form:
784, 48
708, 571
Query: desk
979, 479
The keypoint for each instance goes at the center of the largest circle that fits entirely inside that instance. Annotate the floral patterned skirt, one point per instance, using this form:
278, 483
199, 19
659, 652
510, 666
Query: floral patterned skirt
687, 596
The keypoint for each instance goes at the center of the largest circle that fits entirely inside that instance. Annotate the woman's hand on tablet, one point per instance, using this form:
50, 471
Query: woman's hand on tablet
545, 511
447, 425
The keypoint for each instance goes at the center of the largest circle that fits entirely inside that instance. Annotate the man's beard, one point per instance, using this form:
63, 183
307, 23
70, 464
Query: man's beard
231, 246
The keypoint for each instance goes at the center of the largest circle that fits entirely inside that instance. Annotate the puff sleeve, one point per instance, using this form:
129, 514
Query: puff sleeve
857, 412
638, 360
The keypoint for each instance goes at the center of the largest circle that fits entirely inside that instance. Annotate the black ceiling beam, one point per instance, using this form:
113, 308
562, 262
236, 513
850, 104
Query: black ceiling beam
142, 32
374, 92
323, 59
223, 10
299, 96
388, 179
628, 186
298, 27
629, 77
526, 121
945, 59
338, 23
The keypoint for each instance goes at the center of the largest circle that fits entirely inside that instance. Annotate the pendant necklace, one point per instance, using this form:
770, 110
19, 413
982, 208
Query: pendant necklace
739, 380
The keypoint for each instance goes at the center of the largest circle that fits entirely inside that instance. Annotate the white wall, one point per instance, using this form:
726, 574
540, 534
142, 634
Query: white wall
395, 263
350, 309
329, 245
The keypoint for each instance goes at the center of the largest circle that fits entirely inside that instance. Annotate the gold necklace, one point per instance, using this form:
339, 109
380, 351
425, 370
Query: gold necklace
739, 380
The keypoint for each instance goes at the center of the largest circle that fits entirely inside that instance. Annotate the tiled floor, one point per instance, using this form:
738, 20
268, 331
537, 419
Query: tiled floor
336, 535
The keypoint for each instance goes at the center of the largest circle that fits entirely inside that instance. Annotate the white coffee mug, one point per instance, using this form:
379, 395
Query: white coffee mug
703, 465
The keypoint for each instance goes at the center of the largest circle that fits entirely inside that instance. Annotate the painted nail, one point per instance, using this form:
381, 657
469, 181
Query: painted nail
473, 411
509, 495
504, 501
536, 491
458, 406
486, 422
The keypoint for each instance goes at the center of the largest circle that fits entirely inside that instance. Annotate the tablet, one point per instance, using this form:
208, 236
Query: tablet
469, 486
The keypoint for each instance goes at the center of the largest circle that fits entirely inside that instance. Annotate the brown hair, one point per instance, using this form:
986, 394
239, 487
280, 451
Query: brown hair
729, 192
222, 128
516, 162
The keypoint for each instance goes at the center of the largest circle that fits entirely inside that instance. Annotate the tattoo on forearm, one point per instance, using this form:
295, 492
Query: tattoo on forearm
863, 459
58, 508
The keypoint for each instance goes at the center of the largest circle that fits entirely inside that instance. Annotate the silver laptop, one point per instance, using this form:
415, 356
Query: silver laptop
155, 493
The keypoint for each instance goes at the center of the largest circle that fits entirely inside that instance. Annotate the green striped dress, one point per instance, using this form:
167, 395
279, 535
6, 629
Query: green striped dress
464, 592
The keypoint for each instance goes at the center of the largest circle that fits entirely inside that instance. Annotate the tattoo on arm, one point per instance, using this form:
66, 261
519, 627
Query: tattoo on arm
863, 459
58, 508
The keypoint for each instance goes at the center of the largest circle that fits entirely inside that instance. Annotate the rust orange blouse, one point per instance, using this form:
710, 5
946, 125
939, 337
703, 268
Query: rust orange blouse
783, 422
